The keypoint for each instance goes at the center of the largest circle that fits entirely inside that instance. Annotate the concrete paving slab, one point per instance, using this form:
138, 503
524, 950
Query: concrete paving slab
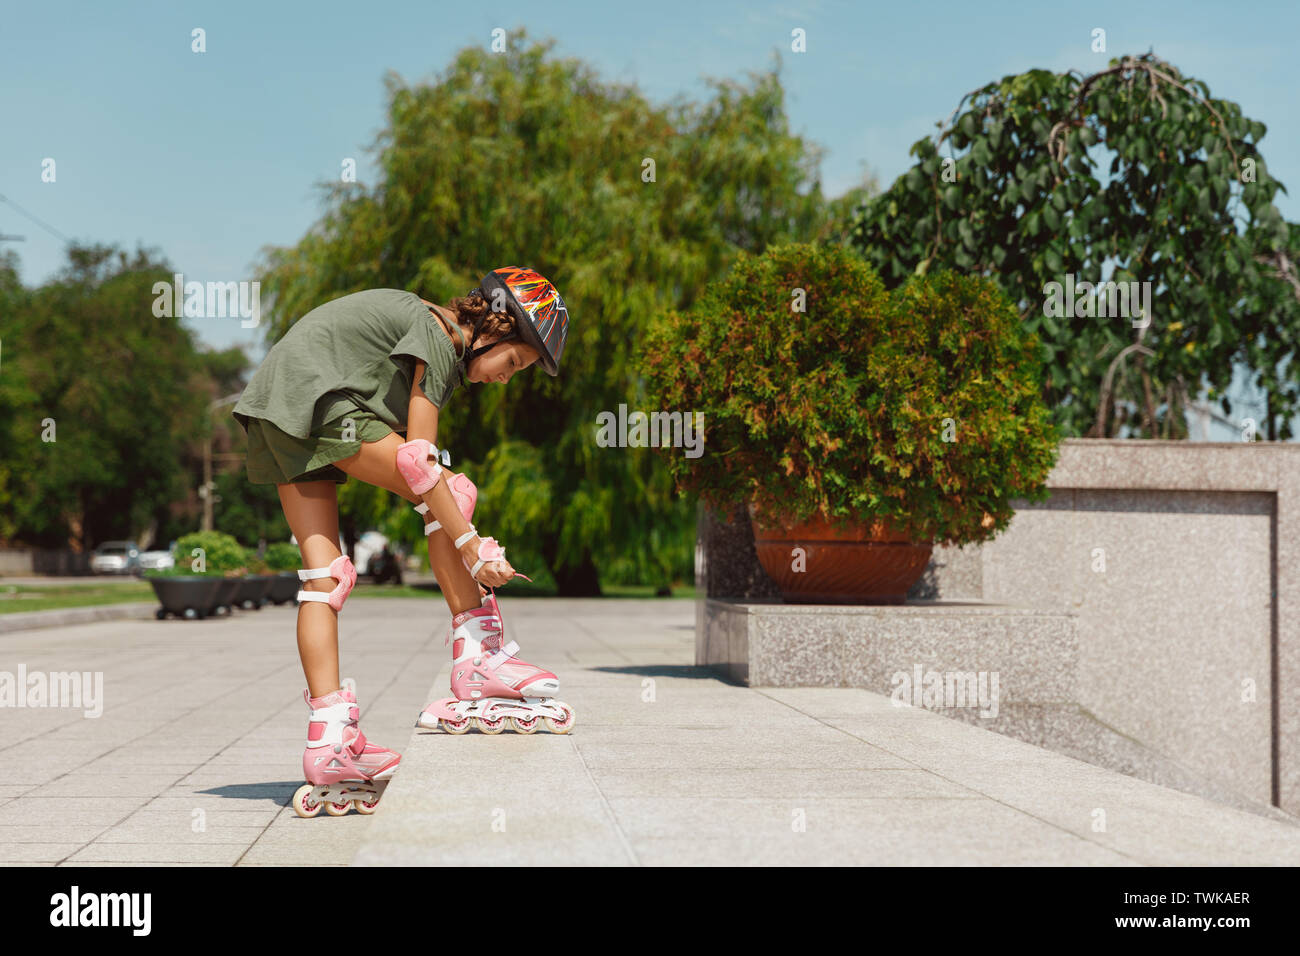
36, 833
51, 811
666, 765
160, 836
25, 853
136, 853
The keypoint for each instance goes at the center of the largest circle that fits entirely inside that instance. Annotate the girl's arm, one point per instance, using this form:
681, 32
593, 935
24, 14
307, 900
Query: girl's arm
422, 422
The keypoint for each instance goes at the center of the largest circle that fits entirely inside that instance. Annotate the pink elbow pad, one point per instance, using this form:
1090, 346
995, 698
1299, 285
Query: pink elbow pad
413, 463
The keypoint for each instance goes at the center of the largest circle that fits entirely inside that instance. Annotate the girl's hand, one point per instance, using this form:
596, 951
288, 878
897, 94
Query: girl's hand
495, 573
496, 570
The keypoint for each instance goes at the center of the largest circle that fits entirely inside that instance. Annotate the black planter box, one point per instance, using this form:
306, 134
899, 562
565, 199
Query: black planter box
253, 591
284, 587
186, 596
227, 588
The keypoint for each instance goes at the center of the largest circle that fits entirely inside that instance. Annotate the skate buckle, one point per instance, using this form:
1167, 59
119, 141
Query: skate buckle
501, 655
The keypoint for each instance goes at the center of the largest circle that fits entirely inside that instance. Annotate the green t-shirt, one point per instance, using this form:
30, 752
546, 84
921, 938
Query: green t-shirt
364, 346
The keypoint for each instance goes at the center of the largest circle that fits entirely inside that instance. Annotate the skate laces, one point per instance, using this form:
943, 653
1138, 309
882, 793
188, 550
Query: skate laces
491, 622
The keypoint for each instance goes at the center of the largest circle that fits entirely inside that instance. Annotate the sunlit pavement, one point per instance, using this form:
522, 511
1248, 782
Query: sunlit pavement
198, 751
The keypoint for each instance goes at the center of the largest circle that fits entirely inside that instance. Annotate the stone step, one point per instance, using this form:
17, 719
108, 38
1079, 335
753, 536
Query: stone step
1009, 669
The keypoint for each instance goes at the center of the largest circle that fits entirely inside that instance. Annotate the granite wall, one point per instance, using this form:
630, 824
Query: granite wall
1182, 563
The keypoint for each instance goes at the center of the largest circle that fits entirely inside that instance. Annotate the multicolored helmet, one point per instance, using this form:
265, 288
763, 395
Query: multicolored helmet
540, 314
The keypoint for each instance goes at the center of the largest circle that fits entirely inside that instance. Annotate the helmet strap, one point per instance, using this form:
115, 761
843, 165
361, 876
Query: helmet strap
488, 348
478, 328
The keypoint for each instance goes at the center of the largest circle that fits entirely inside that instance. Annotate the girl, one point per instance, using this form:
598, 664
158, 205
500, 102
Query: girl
354, 388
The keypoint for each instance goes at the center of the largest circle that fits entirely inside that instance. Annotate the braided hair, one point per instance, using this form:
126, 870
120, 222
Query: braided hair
472, 309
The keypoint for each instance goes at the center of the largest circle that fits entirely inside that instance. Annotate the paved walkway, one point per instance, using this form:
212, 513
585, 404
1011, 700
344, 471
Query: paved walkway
198, 749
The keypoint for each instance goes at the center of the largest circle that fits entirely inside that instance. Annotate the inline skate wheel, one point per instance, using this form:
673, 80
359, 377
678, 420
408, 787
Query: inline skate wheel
338, 809
366, 807
561, 726
303, 805
524, 725
492, 727
457, 727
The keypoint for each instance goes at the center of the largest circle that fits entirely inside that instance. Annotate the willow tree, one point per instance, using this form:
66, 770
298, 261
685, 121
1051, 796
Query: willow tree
520, 158
1135, 174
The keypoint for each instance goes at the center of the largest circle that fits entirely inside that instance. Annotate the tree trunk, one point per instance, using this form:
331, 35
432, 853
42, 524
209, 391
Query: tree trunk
348, 532
581, 580
1149, 404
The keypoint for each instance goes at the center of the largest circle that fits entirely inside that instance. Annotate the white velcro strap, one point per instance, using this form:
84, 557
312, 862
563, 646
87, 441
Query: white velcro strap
502, 655
465, 537
429, 529
311, 574
433, 526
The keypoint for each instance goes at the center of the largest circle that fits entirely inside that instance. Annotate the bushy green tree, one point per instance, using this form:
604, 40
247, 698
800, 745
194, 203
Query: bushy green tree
520, 158
249, 512
822, 393
119, 390
16, 396
127, 393
1136, 174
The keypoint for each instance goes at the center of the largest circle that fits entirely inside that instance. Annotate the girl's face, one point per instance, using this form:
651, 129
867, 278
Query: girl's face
499, 364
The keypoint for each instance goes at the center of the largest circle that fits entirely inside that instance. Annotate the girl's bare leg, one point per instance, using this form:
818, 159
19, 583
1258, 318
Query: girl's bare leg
312, 510
376, 464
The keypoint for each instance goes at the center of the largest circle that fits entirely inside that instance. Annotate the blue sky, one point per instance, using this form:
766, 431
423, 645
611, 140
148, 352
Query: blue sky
209, 157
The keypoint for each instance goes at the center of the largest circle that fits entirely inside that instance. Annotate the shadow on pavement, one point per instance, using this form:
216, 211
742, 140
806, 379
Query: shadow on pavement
256, 791
689, 671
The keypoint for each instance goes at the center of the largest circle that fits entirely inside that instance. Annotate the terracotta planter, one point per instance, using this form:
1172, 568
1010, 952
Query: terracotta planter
865, 565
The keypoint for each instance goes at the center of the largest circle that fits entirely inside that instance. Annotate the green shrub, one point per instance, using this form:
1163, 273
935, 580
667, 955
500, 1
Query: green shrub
283, 556
181, 570
920, 408
221, 552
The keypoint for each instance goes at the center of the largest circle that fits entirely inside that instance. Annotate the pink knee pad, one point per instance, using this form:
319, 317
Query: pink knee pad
342, 570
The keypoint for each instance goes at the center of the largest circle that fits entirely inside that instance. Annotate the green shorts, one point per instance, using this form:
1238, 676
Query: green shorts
275, 457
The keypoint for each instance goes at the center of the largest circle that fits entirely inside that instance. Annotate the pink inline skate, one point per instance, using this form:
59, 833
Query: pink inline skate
494, 689
342, 768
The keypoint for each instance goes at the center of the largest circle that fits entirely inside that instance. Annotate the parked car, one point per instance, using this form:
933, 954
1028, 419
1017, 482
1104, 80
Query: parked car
115, 557
374, 557
370, 544
385, 566
156, 561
